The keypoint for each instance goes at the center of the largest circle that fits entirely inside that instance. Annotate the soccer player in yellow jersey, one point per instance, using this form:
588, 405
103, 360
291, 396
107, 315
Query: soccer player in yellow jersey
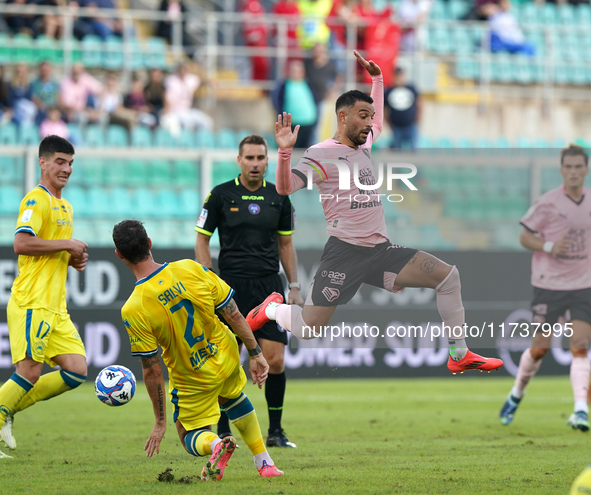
39, 326
174, 306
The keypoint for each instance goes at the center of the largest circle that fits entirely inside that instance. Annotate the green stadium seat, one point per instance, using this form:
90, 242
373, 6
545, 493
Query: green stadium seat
137, 173
501, 69
484, 143
75, 131
92, 51
8, 135
10, 200
528, 14
566, 15
226, 139
562, 74
163, 138
186, 139
49, 49
141, 137
117, 136
99, 201
440, 40
547, 14
167, 204
466, 68
457, 9
185, 172
425, 142
502, 143
28, 135
463, 41
7, 228
583, 15
160, 172
93, 171
11, 170
122, 205
115, 172
6, 50
269, 136
24, 49
205, 138
145, 202
190, 203
94, 136
84, 230
522, 70
464, 143
224, 171
137, 55
155, 53
104, 232
438, 11
78, 198
112, 55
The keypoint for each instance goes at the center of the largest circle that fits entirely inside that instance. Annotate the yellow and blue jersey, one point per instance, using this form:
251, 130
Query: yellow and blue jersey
174, 308
41, 283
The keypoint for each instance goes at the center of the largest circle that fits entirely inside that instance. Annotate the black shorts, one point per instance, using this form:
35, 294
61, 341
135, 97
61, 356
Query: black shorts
549, 305
249, 293
344, 267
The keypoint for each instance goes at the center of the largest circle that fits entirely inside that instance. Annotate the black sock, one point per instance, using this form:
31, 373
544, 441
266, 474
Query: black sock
223, 424
274, 393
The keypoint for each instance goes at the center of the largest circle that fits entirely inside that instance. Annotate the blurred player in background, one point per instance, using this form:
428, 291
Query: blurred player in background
558, 229
255, 225
39, 326
173, 306
358, 250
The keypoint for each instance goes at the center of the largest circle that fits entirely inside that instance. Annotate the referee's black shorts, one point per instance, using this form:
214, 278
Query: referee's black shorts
249, 293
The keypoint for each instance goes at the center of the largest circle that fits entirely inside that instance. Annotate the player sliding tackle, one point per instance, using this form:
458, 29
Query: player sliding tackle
358, 248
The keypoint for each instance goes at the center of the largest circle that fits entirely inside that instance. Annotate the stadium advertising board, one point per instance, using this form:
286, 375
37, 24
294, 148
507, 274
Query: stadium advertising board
378, 334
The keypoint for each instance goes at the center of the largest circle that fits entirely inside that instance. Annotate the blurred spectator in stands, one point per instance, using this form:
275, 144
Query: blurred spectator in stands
478, 12
20, 96
294, 95
366, 12
45, 91
21, 23
505, 34
53, 124
178, 109
135, 101
341, 14
403, 108
256, 32
174, 10
5, 109
321, 74
110, 104
78, 95
288, 8
100, 26
312, 28
412, 15
154, 92
51, 25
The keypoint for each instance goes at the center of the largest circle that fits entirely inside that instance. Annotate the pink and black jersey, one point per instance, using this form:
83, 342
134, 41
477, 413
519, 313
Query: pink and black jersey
354, 214
553, 216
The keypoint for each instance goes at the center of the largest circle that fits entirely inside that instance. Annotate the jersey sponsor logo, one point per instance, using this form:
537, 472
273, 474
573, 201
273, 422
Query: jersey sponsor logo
540, 309
344, 158
134, 340
62, 222
202, 218
27, 214
254, 208
335, 277
200, 357
253, 198
31, 202
330, 293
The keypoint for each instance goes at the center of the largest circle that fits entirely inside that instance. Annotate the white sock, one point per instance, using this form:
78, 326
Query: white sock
214, 443
581, 405
517, 392
457, 348
271, 309
263, 456
579, 379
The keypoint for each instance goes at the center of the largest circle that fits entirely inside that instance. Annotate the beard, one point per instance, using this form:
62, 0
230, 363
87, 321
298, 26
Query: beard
357, 138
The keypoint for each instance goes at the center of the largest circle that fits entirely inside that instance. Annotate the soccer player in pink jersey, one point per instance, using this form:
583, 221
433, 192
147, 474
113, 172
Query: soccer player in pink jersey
558, 229
358, 250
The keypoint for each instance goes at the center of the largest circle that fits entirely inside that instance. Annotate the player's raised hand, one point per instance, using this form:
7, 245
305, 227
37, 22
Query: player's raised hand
562, 246
76, 248
153, 442
259, 369
79, 262
285, 137
371, 67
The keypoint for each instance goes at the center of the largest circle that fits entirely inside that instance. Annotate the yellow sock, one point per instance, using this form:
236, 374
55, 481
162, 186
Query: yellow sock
198, 442
244, 417
50, 385
11, 394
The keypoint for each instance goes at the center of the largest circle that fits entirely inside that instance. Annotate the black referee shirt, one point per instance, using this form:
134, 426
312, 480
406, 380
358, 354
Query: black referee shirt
249, 224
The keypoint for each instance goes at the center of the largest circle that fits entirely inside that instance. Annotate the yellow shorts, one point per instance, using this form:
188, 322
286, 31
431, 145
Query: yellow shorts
41, 334
199, 410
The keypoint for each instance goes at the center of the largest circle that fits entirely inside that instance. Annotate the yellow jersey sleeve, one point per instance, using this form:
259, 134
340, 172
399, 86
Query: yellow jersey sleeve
142, 340
221, 292
34, 209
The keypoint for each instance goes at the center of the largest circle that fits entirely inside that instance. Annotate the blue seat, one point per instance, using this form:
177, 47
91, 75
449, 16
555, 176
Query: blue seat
99, 201
112, 55
438, 11
163, 138
185, 172
186, 139
141, 137
457, 9
190, 202
583, 14
145, 202
78, 198
160, 172
205, 138
226, 139
465, 68
117, 136
155, 53
167, 204
10, 200
92, 51
29, 135
122, 204
94, 136
566, 15
93, 171
8, 135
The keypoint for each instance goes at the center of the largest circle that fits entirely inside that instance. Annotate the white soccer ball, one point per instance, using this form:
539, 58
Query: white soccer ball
115, 385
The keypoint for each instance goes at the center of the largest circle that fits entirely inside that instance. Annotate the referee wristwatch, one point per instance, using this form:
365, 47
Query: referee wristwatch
255, 352
295, 285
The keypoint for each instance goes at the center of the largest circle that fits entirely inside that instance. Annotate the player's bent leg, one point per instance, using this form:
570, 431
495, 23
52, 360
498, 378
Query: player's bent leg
243, 416
11, 394
580, 371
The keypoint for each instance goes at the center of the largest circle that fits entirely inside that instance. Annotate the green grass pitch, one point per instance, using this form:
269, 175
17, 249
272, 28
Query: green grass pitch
412, 436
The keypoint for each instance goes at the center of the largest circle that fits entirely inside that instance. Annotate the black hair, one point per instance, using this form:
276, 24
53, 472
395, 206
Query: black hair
252, 139
574, 150
131, 240
54, 144
348, 99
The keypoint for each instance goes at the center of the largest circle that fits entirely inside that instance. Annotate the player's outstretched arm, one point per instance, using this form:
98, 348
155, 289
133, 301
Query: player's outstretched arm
286, 139
258, 367
377, 92
154, 380
31, 245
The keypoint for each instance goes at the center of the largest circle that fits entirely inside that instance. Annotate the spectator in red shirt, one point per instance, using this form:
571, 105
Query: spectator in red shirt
366, 12
255, 32
288, 8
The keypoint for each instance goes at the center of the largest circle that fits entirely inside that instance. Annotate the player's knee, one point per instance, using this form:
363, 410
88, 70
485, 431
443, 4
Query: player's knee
538, 353
579, 352
276, 364
450, 283
72, 379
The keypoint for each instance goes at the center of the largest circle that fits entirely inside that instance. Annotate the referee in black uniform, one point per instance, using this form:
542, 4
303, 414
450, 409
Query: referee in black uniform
255, 225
